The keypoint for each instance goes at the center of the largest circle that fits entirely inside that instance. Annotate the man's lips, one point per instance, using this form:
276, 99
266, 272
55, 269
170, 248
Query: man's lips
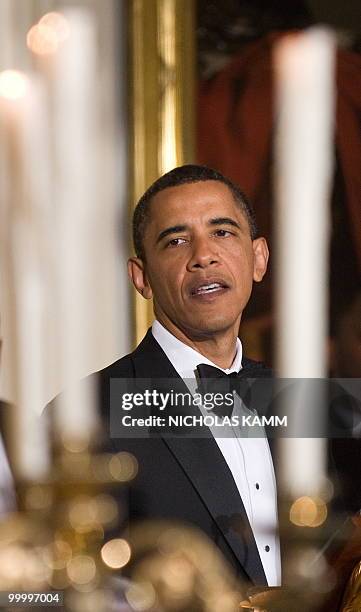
208, 288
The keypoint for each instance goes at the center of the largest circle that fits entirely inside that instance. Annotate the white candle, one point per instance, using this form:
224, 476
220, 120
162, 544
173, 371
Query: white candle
74, 87
22, 109
7, 35
304, 67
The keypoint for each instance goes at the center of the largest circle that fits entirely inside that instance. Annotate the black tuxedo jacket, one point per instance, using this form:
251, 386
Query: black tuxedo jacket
185, 479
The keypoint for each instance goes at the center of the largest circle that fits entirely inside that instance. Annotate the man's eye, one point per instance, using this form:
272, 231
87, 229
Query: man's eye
175, 242
222, 233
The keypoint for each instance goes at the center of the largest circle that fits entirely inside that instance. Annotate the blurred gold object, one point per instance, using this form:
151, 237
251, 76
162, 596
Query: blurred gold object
58, 541
265, 600
22, 541
175, 567
57, 538
352, 598
246, 605
286, 599
162, 98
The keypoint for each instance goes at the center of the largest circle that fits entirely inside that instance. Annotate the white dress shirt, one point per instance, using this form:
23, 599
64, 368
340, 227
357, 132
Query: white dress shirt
249, 459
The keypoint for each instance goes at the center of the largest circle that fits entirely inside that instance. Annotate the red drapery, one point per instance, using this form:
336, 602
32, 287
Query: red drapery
235, 123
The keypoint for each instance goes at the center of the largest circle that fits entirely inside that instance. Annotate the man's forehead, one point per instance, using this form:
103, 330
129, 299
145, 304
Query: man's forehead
206, 187
190, 200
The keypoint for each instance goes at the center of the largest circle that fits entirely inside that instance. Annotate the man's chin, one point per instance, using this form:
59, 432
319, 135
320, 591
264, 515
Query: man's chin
208, 327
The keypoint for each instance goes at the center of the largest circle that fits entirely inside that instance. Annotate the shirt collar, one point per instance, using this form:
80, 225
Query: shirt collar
186, 359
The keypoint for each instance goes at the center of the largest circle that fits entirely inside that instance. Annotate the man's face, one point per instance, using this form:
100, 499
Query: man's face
200, 261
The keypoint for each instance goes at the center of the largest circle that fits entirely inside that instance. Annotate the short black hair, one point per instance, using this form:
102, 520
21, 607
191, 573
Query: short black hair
190, 173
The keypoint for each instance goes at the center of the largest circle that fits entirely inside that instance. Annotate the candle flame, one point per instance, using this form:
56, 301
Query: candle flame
48, 34
13, 84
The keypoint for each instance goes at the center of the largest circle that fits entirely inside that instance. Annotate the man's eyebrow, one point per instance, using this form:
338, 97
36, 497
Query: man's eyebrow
174, 229
224, 221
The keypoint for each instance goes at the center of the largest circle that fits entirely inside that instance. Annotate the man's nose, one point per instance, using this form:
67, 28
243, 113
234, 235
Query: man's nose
204, 254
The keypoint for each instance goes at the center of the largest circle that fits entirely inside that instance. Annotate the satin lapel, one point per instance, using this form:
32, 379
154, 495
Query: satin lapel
150, 361
206, 469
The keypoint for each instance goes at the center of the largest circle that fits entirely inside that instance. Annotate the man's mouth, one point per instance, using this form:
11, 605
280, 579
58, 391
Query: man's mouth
208, 288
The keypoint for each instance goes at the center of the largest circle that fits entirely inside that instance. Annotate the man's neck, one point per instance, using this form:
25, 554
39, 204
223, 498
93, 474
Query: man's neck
220, 348
221, 352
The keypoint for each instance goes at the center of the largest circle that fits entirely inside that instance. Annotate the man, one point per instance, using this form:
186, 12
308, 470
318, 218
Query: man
197, 255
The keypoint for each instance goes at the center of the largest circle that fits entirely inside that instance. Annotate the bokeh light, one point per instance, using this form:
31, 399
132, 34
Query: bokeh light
81, 569
116, 553
75, 445
58, 24
141, 596
106, 509
123, 467
12, 562
179, 575
308, 512
308, 567
87, 513
13, 84
41, 40
81, 512
45, 37
57, 555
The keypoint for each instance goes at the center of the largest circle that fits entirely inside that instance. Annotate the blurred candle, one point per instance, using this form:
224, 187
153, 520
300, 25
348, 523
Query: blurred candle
22, 115
74, 87
305, 100
7, 35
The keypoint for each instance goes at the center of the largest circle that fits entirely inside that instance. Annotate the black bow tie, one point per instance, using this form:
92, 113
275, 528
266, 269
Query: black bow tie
213, 380
250, 369
206, 371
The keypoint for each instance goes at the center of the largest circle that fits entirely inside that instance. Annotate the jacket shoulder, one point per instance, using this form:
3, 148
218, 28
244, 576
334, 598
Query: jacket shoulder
255, 369
122, 368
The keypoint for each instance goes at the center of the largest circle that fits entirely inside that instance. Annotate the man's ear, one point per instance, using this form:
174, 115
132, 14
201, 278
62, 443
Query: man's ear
138, 276
261, 255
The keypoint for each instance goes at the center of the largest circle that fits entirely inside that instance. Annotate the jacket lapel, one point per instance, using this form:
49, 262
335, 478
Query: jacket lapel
206, 468
150, 361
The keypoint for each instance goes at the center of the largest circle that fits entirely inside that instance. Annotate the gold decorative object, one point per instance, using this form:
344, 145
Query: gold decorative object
175, 567
57, 540
162, 82
352, 598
